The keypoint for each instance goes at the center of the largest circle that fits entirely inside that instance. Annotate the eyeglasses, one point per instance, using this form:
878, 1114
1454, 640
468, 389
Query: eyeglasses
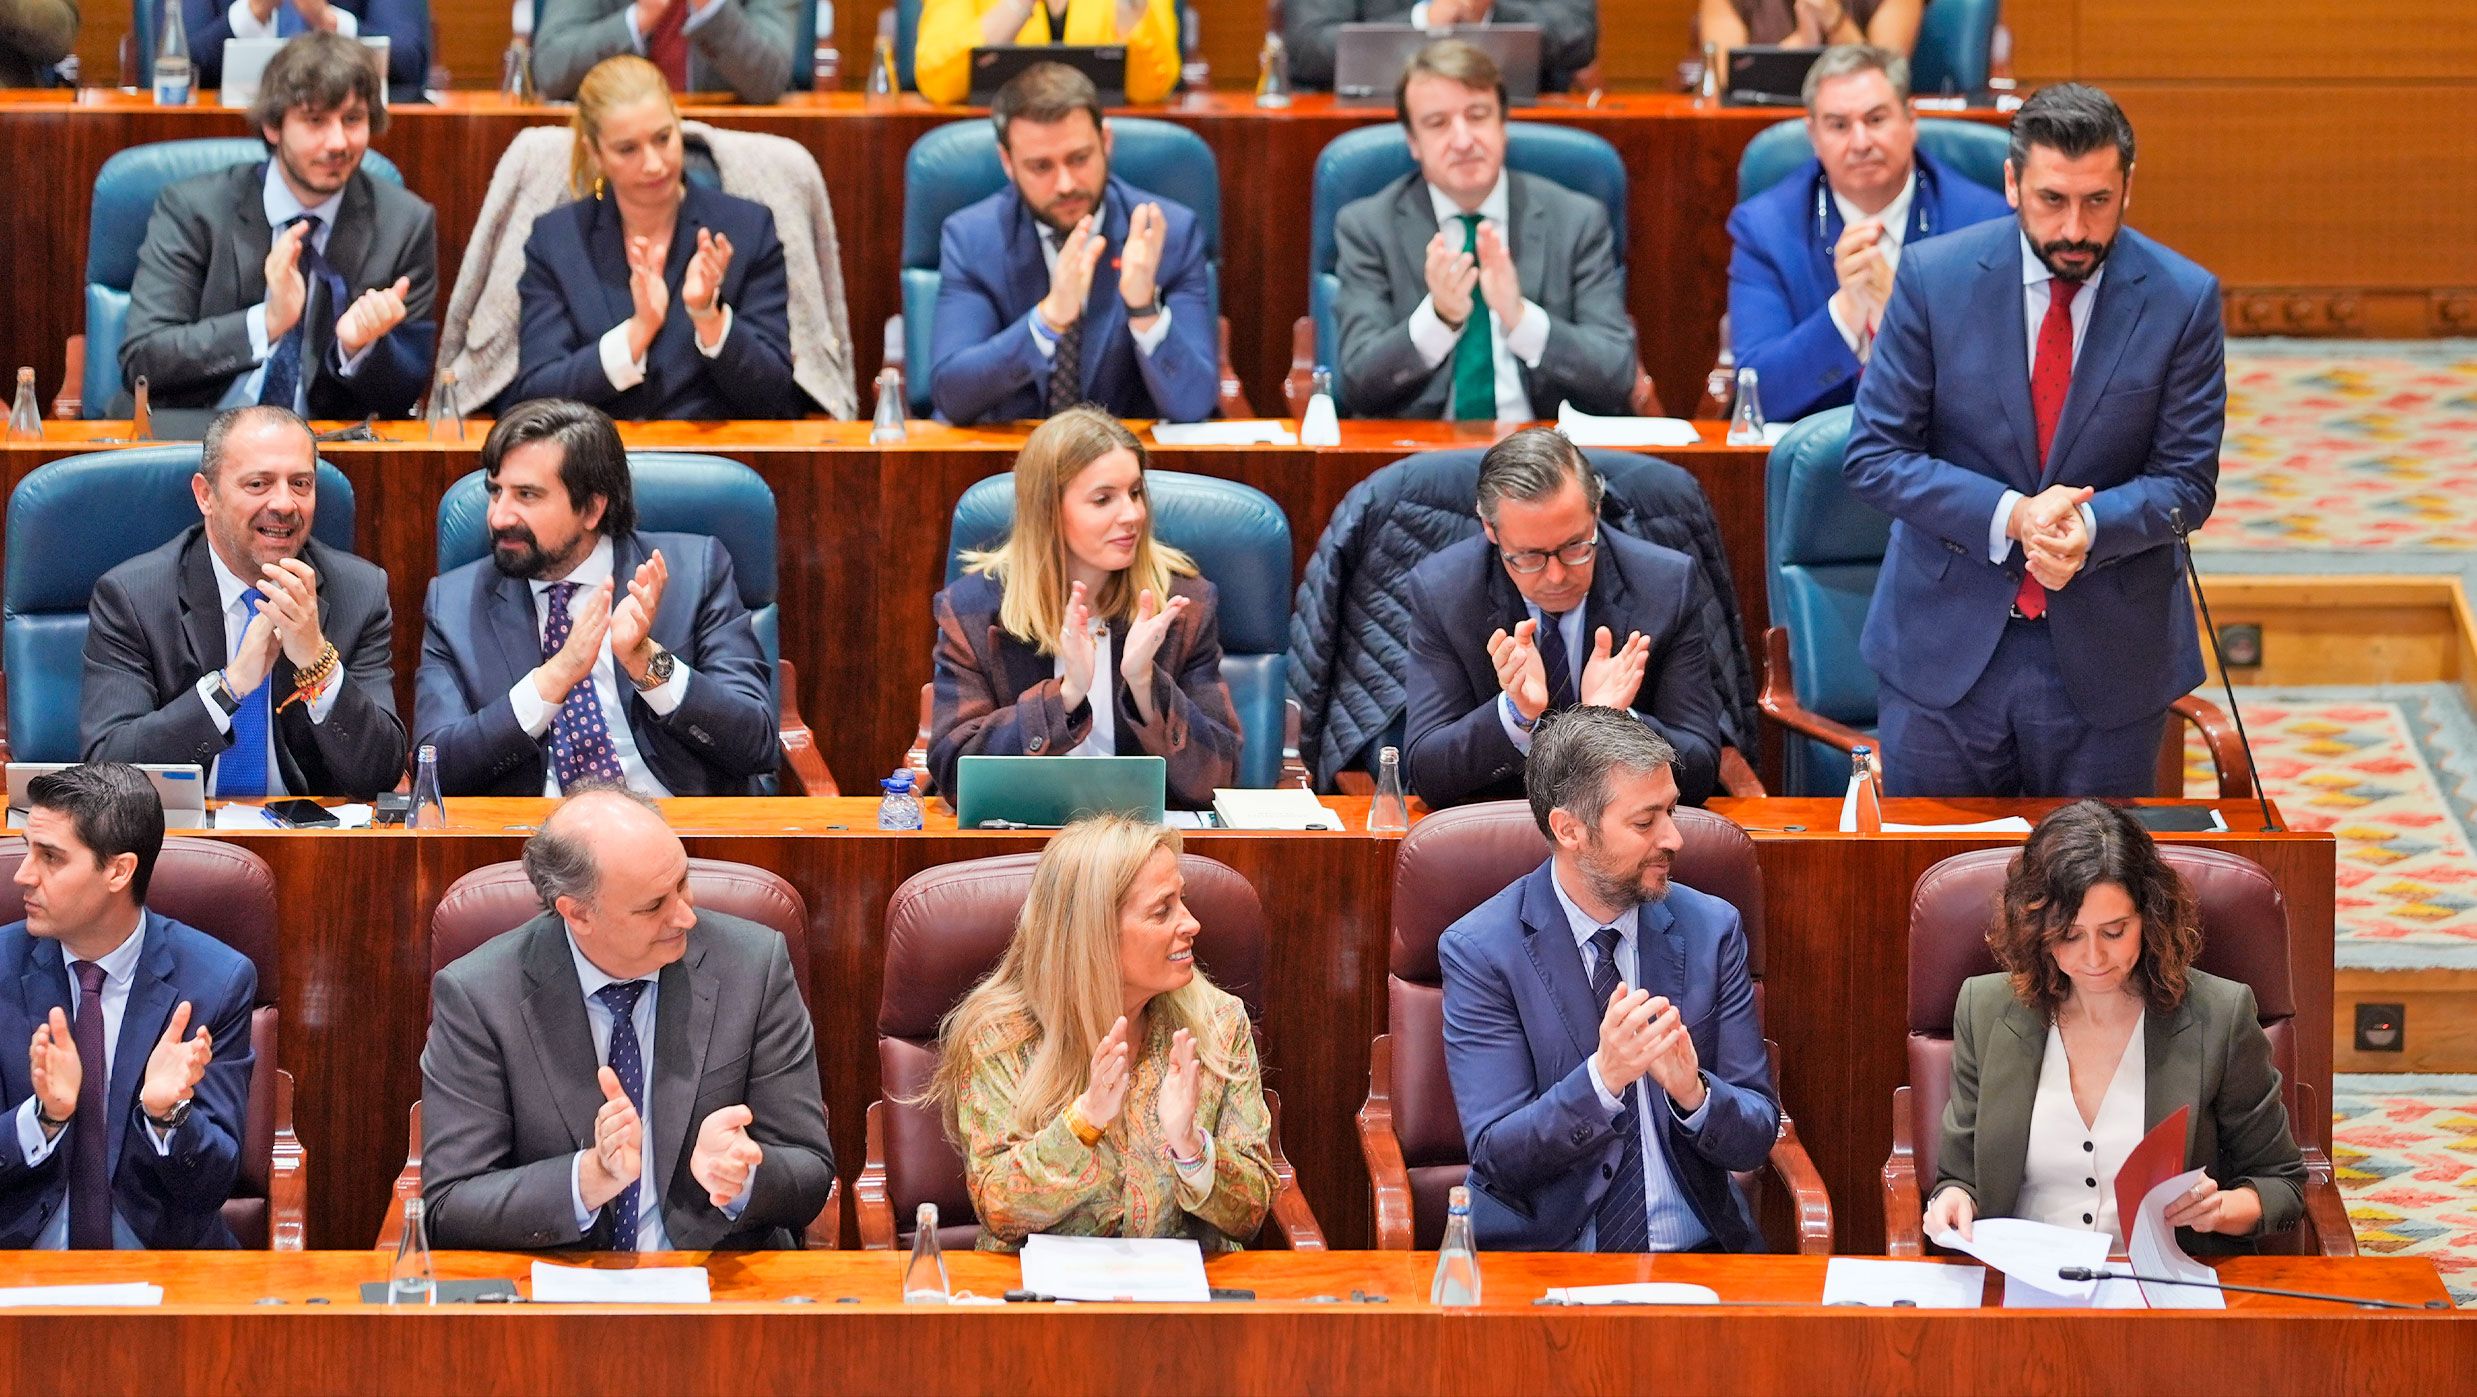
1573, 555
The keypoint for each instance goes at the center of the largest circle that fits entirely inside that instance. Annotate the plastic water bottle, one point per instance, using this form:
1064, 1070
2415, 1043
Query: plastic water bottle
881, 68
1746, 419
1389, 813
1862, 810
413, 1281
429, 808
887, 424
899, 808
924, 1276
1457, 1264
1273, 73
172, 71
25, 415
1195, 73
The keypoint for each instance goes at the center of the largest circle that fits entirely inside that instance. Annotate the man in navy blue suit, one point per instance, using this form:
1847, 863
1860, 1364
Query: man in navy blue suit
404, 24
1815, 253
2045, 401
1070, 285
125, 1115
581, 649
1600, 1027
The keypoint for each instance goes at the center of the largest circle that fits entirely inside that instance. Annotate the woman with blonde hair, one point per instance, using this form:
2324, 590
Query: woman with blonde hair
1097, 1084
1081, 633
651, 297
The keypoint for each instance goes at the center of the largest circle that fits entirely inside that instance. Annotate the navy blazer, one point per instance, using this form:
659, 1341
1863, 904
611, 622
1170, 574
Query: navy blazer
1520, 1027
984, 366
172, 1200
575, 288
1780, 279
1943, 428
480, 635
405, 24
1457, 746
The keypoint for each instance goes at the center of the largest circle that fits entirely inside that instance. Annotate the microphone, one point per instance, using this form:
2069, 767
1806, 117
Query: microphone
2101, 1273
2193, 575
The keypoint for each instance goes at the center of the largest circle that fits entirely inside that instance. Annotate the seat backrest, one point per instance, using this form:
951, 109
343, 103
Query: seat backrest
1449, 864
956, 165
227, 892
1956, 41
2244, 938
125, 192
1823, 548
70, 522
1973, 150
1361, 161
1240, 540
498, 898
945, 930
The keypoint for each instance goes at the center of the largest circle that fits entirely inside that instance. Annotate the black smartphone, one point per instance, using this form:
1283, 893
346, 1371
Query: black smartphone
300, 814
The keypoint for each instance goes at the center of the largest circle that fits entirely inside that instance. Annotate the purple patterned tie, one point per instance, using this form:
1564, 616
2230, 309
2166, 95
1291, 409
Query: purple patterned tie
580, 740
90, 1133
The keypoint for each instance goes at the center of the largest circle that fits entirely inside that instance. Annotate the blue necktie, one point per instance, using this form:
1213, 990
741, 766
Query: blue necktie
1560, 670
627, 1061
282, 387
1623, 1218
243, 770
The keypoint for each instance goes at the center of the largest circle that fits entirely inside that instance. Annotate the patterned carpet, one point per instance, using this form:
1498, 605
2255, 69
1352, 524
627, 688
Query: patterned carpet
2405, 1149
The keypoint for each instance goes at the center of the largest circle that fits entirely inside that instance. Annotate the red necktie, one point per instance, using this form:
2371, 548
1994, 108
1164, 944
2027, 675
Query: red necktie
2051, 379
667, 46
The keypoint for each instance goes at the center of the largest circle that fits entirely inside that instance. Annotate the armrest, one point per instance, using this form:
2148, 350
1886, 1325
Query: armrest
288, 1178
1233, 402
1389, 1178
801, 760
1810, 1204
2227, 748
825, 1231
1903, 1212
1299, 384
2329, 1232
1778, 700
407, 1185
67, 404
1293, 1224
1294, 767
1737, 776
869, 1201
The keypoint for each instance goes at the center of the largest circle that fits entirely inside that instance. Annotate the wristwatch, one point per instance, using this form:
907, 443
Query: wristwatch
171, 1120
1157, 307
223, 695
658, 671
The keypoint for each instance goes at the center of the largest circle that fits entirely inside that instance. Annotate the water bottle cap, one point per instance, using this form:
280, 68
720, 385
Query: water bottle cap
429, 753
898, 784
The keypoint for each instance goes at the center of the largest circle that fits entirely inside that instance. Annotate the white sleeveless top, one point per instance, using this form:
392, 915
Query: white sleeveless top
2068, 1178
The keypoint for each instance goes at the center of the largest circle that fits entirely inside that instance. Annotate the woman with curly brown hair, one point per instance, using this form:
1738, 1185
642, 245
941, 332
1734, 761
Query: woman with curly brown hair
2099, 1028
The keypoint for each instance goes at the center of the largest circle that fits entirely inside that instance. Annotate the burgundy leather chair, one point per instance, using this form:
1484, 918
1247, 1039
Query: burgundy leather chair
499, 898
1410, 1130
228, 892
2244, 937
945, 929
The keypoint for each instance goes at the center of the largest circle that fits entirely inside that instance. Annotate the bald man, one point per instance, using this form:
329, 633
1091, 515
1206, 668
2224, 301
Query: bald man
623, 1072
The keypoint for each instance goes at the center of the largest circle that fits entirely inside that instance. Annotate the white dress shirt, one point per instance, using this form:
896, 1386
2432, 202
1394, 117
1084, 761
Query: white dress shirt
282, 208
2068, 1177
535, 716
120, 970
1102, 741
1435, 340
1571, 630
245, 25
2037, 284
1672, 1223
1895, 219
228, 588
1046, 340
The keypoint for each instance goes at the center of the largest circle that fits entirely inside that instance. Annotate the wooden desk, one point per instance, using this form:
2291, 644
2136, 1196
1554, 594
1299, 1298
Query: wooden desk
356, 971
862, 537
215, 1334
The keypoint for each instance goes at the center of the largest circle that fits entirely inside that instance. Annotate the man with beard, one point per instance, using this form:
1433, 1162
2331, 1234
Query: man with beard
300, 282
582, 649
1575, 1001
1070, 285
272, 664
2045, 399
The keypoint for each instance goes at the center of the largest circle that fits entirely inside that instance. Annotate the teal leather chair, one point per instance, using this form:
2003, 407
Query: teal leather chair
688, 493
1956, 44
70, 522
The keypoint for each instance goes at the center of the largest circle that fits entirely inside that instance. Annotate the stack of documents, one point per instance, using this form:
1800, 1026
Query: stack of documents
1285, 807
1168, 1270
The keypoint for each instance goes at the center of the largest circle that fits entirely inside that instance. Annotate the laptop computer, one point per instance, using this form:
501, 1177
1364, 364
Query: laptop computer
1047, 792
1767, 75
993, 66
245, 62
1368, 59
180, 786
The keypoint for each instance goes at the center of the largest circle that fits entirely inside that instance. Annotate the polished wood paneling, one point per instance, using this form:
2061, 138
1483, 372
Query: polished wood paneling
2309, 41
2437, 1018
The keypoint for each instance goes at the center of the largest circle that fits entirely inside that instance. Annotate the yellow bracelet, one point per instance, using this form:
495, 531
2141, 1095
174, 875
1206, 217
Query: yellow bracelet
1084, 1130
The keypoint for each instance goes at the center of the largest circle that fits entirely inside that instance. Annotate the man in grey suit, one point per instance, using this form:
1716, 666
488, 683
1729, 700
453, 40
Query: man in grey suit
1470, 291
1569, 30
623, 1072
300, 282
244, 644
740, 46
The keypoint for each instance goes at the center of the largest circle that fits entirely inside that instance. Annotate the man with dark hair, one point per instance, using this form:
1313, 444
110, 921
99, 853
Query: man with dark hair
744, 47
1620, 1138
2045, 399
1471, 291
1070, 285
1814, 254
572, 583
1547, 609
623, 1072
301, 282
404, 24
244, 644
125, 1116
1569, 31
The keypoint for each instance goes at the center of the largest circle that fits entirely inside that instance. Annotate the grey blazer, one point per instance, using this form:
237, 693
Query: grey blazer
1569, 34
2210, 1054
509, 1096
1567, 258
744, 49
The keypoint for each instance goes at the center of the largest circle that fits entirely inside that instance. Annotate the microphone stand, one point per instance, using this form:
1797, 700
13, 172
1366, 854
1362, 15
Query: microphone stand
2097, 1273
2193, 575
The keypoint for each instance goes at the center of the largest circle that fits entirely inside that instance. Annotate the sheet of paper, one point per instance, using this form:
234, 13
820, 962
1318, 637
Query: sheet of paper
1168, 1270
131, 1294
233, 815
2103, 1295
1929, 1285
1635, 1293
2032, 1252
1285, 808
1235, 433
1584, 429
2151, 1245
645, 1285
2010, 824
